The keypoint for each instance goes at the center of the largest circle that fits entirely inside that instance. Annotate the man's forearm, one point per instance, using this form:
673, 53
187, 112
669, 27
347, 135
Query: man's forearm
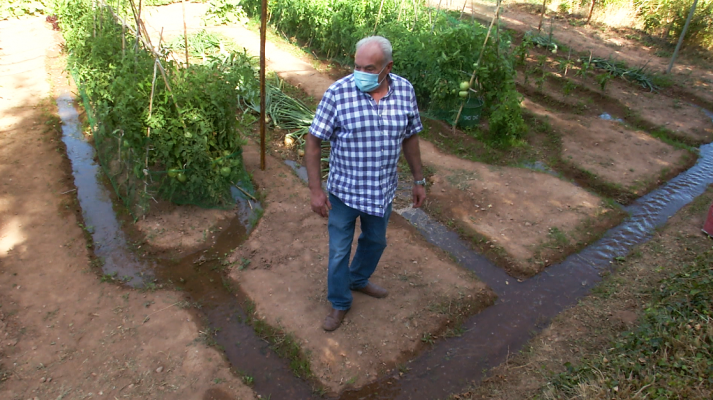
313, 162
412, 153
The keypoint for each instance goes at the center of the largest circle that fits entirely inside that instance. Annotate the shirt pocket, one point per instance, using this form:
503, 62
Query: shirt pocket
396, 121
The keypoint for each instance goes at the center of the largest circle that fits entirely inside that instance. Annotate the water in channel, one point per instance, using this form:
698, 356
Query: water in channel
198, 275
521, 308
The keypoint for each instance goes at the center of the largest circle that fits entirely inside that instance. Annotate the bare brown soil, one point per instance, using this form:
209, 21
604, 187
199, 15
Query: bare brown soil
58, 321
64, 333
525, 220
286, 278
533, 217
588, 328
182, 229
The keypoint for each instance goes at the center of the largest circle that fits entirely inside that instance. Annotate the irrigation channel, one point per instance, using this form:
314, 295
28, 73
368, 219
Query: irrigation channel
505, 327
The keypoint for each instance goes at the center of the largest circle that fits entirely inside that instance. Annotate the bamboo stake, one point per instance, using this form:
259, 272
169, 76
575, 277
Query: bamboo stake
246, 193
415, 15
94, 19
497, 28
148, 128
462, 10
401, 7
185, 30
138, 20
480, 57
123, 37
378, 15
438, 10
683, 34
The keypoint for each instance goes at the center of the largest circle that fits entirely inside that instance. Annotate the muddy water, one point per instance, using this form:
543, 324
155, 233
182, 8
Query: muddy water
97, 211
198, 275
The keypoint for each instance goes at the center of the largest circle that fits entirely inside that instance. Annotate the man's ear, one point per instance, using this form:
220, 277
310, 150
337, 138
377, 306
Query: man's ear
389, 66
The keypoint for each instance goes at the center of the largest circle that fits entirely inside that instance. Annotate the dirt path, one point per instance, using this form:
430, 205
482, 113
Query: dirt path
297, 71
64, 333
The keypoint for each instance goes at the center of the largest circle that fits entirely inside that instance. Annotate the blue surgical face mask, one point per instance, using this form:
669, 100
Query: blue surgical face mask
367, 82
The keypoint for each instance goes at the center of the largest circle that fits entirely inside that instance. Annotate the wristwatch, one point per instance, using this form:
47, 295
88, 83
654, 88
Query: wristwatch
422, 182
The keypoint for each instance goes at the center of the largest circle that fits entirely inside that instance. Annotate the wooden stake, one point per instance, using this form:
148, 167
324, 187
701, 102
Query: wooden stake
591, 9
123, 37
680, 38
378, 16
263, 34
246, 193
438, 10
415, 15
480, 57
542, 15
185, 30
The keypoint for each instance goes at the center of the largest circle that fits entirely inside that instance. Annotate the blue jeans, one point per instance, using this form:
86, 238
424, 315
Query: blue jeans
342, 277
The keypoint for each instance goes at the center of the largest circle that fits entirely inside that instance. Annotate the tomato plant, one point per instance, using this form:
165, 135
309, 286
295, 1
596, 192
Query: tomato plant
184, 143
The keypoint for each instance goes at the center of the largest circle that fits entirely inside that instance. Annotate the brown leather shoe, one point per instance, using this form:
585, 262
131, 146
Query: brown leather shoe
374, 290
334, 319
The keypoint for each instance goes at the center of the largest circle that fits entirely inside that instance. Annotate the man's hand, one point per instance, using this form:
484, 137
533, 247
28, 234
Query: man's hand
419, 195
320, 203
318, 199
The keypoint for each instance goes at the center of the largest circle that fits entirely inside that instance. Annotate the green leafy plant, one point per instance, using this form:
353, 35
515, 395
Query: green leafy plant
223, 12
21, 8
435, 54
171, 133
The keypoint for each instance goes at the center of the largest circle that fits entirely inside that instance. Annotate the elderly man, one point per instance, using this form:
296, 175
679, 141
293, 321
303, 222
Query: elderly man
368, 117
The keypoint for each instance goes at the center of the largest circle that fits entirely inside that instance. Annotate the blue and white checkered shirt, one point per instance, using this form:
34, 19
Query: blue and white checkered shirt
366, 140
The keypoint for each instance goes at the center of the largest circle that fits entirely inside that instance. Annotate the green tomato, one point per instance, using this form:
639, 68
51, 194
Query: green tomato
463, 93
225, 171
188, 135
126, 144
465, 85
181, 177
172, 173
226, 153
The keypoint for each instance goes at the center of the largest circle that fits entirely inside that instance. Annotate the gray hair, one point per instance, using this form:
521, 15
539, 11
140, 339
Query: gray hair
383, 43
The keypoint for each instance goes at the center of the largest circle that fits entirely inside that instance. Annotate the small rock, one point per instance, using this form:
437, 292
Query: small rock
159, 370
43, 379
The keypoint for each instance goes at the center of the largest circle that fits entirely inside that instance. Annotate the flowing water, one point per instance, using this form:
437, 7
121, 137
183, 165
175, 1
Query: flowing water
197, 275
521, 308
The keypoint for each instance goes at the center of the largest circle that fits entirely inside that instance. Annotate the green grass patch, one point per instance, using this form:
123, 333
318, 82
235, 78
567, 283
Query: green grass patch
670, 354
282, 342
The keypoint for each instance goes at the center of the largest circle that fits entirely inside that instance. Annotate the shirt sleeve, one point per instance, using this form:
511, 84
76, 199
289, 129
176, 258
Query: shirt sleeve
414, 117
325, 118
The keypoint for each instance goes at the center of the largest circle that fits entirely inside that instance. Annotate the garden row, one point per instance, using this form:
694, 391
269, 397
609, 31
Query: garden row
433, 49
161, 129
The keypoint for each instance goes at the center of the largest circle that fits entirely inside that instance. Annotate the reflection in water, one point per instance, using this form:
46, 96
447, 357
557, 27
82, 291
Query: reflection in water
99, 218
